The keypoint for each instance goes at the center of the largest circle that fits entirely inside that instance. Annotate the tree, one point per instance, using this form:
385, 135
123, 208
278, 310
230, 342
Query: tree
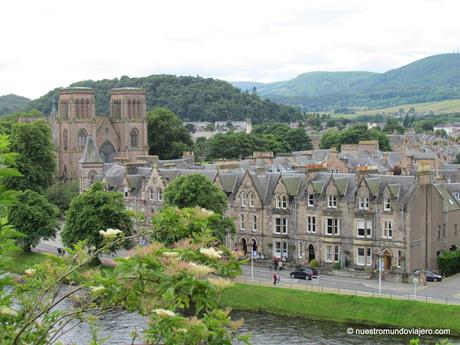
36, 160
190, 128
230, 146
93, 211
172, 224
392, 126
195, 190
200, 148
168, 137
34, 217
329, 139
298, 140
61, 194
441, 133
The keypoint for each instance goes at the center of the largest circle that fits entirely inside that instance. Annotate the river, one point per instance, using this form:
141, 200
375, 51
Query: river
265, 329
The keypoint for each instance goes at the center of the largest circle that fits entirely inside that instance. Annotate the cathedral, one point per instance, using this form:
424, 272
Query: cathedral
120, 136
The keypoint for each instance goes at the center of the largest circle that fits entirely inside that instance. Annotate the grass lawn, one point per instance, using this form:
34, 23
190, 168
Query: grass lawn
340, 308
23, 260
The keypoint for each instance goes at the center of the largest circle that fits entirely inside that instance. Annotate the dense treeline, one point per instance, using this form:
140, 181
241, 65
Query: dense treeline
191, 98
353, 135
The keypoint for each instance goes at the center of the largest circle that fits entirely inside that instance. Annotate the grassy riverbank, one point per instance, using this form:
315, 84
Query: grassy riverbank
24, 260
340, 308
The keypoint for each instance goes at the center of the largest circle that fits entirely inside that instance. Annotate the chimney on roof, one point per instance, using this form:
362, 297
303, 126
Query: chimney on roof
423, 174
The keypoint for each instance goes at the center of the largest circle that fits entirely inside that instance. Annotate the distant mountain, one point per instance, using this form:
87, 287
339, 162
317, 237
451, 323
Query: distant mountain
247, 85
191, 98
12, 103
430, 79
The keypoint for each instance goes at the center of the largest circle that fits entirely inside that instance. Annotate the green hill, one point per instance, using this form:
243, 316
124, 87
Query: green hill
12, 103
430, 79
192, 98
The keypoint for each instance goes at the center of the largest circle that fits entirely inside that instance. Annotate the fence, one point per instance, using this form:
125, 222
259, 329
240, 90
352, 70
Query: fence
340, 291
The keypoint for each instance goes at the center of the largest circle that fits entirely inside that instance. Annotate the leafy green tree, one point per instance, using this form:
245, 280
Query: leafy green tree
35, 160
61, 194
441, 133
195, 190
330, 138
230, 145
34, 217
93, 211
167, 136
298, 140
354, 135
172, 225
199, 149
393, 126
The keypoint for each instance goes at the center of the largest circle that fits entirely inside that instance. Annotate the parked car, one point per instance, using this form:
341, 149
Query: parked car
432, 277
304, 272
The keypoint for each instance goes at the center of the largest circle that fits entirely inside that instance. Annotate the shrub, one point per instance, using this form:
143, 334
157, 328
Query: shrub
314, 263
449, 262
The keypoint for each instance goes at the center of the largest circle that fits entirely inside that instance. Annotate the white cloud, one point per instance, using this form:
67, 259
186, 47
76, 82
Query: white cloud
52, 43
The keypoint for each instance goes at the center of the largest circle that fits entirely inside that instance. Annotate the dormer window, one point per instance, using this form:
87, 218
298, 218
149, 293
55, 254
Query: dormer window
160, 194
331, 201
386, 204
125, 192
310, 200
363, 203
243, 198
284, 202
251, 200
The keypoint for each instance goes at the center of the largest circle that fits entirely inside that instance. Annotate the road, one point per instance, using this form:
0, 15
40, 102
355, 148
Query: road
448, 288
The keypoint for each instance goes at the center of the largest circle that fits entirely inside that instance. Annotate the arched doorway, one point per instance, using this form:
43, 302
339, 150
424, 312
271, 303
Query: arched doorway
311, 252
244, 245
387, 260
107, 152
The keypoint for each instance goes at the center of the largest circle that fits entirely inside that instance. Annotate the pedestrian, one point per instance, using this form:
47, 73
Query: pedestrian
275, 278
278, 278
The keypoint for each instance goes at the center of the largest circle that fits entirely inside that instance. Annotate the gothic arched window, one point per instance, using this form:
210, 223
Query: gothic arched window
82, 134
134, 138
65, 139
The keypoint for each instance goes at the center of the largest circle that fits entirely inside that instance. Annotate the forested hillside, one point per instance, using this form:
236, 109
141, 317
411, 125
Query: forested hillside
192, 98
12, 103
433, 78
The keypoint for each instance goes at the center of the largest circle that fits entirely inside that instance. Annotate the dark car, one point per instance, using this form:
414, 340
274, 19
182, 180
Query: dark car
303, 272
432, 277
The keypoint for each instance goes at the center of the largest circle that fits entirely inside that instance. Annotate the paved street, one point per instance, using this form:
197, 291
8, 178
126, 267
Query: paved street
449, 287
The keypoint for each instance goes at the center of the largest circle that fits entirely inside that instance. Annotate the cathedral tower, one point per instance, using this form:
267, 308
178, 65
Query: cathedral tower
128, 116
75, 120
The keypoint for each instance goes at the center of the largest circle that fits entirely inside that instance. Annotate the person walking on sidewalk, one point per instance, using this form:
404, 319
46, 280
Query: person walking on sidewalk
278, 278
275, 278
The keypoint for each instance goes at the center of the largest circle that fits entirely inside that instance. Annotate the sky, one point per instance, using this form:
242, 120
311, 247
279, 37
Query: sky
47, 43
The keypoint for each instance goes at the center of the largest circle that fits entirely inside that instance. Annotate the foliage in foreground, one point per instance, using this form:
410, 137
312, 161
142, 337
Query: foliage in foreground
178, 289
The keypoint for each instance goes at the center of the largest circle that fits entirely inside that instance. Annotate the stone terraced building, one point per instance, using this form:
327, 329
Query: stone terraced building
347, 220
